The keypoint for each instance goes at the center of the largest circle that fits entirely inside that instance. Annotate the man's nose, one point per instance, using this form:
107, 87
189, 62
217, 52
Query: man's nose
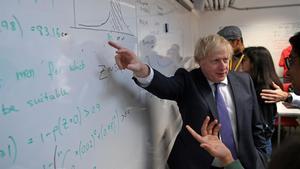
223, 64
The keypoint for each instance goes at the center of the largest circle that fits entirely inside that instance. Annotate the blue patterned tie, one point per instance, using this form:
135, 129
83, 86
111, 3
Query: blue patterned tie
226, 129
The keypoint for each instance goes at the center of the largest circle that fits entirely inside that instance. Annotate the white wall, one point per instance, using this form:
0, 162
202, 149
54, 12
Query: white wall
265, 27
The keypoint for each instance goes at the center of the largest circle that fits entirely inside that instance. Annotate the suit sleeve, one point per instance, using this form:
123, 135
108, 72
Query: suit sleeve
170, 88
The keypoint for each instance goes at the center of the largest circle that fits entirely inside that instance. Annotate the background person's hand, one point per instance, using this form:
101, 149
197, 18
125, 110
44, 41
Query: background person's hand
127, 59
210, 141
273, 95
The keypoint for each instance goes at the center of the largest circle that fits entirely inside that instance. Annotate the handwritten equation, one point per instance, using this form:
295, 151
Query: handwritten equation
55, 109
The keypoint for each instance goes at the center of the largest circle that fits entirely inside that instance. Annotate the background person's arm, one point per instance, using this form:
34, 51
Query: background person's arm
277, 95
274, 95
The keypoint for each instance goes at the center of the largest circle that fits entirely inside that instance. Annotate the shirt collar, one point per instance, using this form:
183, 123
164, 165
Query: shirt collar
224, 82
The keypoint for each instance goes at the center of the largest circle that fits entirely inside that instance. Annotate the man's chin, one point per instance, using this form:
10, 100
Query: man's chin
220, 79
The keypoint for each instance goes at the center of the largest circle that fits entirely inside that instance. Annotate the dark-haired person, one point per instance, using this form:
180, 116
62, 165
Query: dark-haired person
259, 64
276, 95
294, 63
287, 156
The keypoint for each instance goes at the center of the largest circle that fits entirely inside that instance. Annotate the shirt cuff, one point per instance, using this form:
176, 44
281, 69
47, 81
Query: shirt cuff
236, 164
145, 81
296, 100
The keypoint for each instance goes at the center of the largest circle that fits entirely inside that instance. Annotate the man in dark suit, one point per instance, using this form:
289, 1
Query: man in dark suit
283, 157
194, 93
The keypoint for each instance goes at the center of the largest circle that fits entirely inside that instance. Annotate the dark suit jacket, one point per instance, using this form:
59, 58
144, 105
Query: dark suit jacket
195, 99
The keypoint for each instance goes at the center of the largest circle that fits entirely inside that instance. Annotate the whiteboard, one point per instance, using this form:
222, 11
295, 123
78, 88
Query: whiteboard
64, 102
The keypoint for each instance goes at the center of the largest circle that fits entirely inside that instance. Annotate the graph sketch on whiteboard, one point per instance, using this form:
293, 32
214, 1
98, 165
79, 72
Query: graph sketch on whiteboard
113, 21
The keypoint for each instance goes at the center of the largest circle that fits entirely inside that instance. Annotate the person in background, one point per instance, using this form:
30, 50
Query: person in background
286, 156
294, 63
282, 61
277, 94
234, 35
259, 64
210, 90
273, 96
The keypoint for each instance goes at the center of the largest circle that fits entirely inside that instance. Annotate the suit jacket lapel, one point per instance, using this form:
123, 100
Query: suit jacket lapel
205, 91
237, 99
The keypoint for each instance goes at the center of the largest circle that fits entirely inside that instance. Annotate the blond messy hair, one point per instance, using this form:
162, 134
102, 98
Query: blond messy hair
211, 44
